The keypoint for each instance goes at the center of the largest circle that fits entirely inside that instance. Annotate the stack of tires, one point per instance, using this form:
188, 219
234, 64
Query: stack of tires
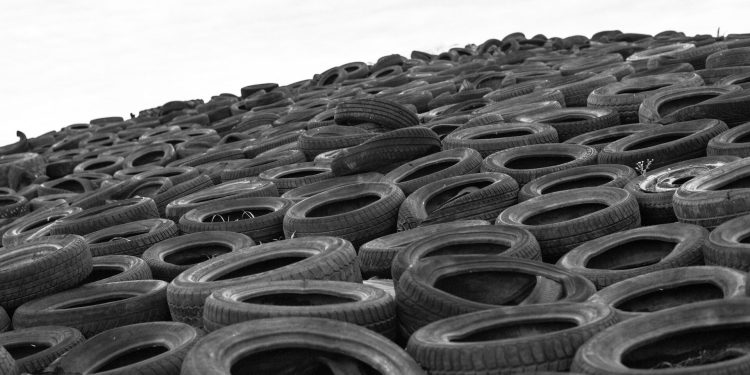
526, 205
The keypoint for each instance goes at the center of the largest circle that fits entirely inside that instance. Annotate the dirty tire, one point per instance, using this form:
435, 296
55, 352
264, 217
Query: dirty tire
259, 218
539, 160
614, 175
51, 341
130, 238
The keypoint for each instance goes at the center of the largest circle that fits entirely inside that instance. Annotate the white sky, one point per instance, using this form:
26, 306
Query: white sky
69, 61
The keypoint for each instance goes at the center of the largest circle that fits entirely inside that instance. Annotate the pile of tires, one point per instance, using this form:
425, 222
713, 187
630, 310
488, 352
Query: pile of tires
525, 205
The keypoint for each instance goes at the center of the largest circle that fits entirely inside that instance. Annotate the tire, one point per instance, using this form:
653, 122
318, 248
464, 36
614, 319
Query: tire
614, 175
130, 238
662, 69
445, 286
4, 320
155, 154
728, 57
93, 219
526, 163
599, 139
625, 97
102, 164
577, 92
488, 139
139, 349
396, 146
295, 346
379, 111
147, 187
356, 213
306, 191
696, 56
177, 175
435, 167
726, 245
478, 196
116, 268
7, 363
489, 241
327, 138
731, 142
714, 197
559, 227
35, 348
545, 337
242, 188
170, 257
663, 146
288, 177
311, 258
664, 103
257, 165
654, 189
571, 122
270, 142
42, 267
640, 59
91, 308
260, 218
355, 303
712, 76
672, 287
13, 205
375, 257
622, 255
67, 184
730, 108
180, 190
638, 345
13, 165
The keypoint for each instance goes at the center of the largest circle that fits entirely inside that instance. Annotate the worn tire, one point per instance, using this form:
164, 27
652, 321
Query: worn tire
434, 167
572, 122
130, 238
488, 139
236, 215
599, 139
614, 175
96, 218
731, 142
44, 345
526, 163
725, 245
313, 258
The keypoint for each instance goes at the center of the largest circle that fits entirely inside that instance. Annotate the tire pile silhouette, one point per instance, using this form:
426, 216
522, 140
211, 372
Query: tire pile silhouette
525, 205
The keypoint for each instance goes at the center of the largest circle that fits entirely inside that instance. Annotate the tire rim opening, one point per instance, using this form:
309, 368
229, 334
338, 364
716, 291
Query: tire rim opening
632, 254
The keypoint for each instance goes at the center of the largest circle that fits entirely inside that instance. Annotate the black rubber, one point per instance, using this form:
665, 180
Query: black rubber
614, 175
306, 191
599, 139
96, 308
528, 339
662, 104
714, 197
450, 285
654, 189
253, 167
726, 244
489, 241
144, 349
646, 344
564, 220
96, 218
663, 146
488, 139
479, 196
434, 167
357, 213
526, 163
379, 111
114, 268
297, 346
572, 122
131, 238
235, 189
170, 257
290, 176
260, 218
672, 287
355, 303
35, 348
42, 267
731, 142
622, 255
316, 258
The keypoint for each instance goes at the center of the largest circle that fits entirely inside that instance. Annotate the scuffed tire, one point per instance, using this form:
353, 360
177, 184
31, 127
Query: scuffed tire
96, 218
269, 346
479, 196
450, 285
96, 308
614, 175
571, 122
435, 167
375, 257
566, 219
488, 139
130, 238
731, 142
490, 241
316, 258
663, 289
357, 213
526, 163
164, 346
355, 303
726, 245
599, 139
379, 111
544, 338
170, 257
260, 218
623, 255
45, 344
116, 268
